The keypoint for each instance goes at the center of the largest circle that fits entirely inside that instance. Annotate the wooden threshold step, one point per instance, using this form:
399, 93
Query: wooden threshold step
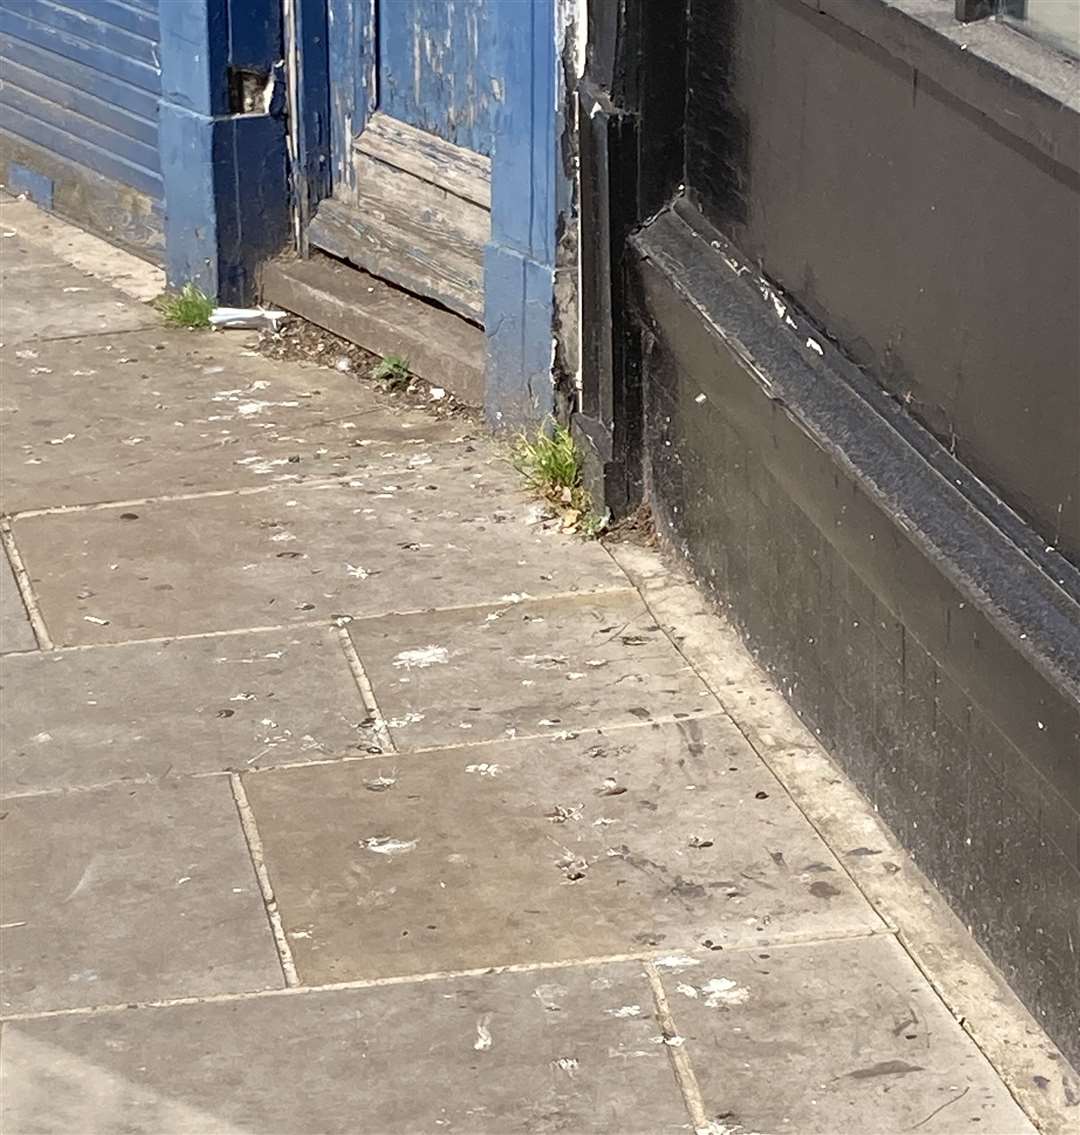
412, 233
442, 348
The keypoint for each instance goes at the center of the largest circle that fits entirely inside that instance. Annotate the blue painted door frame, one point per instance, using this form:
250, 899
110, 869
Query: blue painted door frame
224, 162
336, 80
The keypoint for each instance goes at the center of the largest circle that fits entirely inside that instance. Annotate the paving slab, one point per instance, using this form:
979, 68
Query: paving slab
848, 1037
525, 668
17, 254
129, 893
164, 411
39, 308
15, 630
370, 547
73, 719
569, 1050
49, 233
657, 836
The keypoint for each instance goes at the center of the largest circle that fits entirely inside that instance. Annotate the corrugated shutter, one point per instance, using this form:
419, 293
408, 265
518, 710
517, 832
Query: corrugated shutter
81, 79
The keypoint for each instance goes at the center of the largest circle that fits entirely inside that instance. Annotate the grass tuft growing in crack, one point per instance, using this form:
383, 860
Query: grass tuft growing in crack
392, 370
189, 307
551, 463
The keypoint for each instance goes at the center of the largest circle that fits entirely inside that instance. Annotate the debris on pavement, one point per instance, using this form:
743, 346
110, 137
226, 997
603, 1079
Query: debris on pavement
247, 318
386, 845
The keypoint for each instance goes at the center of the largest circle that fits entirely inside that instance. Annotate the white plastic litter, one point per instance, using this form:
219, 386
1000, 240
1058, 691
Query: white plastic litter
247, 318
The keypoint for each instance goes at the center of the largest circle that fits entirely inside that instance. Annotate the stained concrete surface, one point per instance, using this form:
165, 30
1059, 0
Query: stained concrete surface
127, 893
346, 548
114, 417
520, 668
571, 1050
176, 708
248, 615
847, 1035
673, 837
34, 306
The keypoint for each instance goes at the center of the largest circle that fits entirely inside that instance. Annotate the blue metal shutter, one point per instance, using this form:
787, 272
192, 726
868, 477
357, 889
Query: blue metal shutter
80, 79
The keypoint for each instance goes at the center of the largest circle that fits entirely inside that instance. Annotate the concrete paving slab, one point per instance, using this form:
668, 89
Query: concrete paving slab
34, 305
15, 630
17, 254
523, 669
72, 719
537, 851
164, 412
129, 893
132, 275
848, 1037
264, 559
569, 1050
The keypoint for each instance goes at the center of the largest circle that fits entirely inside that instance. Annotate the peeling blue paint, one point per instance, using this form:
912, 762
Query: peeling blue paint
226, 191
520, 258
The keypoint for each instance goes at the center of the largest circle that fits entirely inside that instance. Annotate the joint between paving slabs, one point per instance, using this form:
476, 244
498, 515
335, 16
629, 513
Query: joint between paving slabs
353, 758
367, 693
337, 621
26, 588
680, 1058
646, 957
258, 860
165, 498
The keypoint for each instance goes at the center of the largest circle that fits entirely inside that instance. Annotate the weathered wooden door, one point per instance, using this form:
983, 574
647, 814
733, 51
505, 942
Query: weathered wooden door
414, 103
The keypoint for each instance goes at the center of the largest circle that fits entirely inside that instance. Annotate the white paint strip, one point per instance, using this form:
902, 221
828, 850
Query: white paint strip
255, 848
680, 1058
367, 694
26, 588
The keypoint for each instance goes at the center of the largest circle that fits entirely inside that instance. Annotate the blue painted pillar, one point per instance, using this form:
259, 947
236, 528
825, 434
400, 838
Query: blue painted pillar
519, 264
222, 142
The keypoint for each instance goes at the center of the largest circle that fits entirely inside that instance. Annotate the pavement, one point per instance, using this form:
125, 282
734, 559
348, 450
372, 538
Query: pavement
345, 793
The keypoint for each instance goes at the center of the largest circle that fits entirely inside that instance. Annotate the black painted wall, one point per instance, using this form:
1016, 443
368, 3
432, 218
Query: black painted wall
872, 232
927, 653
941, 250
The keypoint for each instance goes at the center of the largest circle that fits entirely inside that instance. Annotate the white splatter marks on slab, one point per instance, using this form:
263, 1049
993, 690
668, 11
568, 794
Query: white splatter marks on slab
550, 996
484, 769
387, 845
258, 405
567, 1064
422, 657
409, 718
676, 961
815, 346
483, 1034
716, 992
380, 783
723, 991
624, 1011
